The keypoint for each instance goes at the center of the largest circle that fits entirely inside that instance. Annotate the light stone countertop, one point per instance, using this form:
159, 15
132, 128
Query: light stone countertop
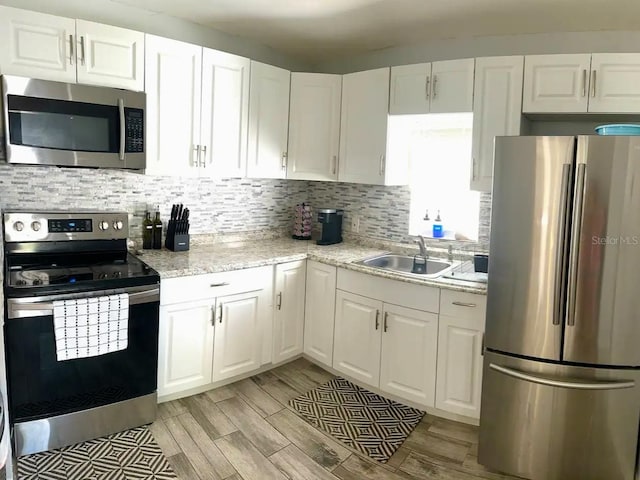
201, 259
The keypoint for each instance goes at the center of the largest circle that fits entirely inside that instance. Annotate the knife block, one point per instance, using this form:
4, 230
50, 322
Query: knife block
178, 242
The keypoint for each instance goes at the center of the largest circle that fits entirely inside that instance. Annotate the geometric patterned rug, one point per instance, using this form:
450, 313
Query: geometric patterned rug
132, 454
360, 419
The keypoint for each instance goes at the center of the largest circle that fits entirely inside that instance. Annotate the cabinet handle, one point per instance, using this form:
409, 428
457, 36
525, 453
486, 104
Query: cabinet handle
82, 49
482, 348
386, 317
70, 49
464, 304
435, 82
197, 161
204, 156
334, 163
279, 301
220, 317
584, 82
473, 169
284, 160
377, 319
221, 284
382, 164
213, 315
426, 87
593, 83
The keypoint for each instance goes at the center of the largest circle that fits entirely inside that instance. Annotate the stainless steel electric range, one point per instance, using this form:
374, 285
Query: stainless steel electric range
81, 329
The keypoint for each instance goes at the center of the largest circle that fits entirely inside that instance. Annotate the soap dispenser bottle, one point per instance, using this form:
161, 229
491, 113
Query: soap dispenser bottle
426, 226
438, 231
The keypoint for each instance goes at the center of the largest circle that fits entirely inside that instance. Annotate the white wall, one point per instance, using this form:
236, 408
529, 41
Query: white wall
577, 42
113, 13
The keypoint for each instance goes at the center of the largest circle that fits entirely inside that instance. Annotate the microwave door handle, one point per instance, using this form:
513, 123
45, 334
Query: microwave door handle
122, 127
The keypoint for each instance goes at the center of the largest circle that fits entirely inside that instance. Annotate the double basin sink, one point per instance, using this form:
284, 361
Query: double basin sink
404, 264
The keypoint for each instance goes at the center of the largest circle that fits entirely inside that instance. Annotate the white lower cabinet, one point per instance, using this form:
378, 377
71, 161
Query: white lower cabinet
185, 346
357, 337
288, 321
213, 327
462, 319
409, 350
319, 312
238, 336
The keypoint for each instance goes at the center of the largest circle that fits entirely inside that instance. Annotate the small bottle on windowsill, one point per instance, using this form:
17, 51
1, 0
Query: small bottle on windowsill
438, 229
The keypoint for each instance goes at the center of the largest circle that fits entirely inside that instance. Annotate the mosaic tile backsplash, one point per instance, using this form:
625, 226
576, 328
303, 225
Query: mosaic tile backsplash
216, 206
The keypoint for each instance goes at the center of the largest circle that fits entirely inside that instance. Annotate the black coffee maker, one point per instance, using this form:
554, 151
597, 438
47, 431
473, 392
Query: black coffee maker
331, 221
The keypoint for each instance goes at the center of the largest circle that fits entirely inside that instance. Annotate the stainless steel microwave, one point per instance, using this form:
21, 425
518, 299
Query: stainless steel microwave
65, 124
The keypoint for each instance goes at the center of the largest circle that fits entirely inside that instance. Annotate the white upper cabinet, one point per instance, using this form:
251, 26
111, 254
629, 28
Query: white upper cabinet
319, 314
556, 83
225, 113
438, 87
288, 324
268, 121
410, 89
452, 86
497, 106
314, 126
363, 133
173, 107
67, 50
615, 83
109, 56
37, 45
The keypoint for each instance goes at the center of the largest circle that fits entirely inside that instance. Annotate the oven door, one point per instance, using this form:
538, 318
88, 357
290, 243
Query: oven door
40, 386
54, 123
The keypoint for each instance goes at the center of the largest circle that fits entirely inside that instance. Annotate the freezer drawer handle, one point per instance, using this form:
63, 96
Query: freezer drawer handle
559, 383
463, 304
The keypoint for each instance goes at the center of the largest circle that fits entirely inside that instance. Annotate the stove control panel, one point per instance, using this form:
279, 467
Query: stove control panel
57, 226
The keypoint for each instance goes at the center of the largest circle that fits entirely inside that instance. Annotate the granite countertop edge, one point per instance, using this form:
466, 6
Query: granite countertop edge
180, 264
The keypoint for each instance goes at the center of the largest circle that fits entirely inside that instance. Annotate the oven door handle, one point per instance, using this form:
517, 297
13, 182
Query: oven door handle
18, 308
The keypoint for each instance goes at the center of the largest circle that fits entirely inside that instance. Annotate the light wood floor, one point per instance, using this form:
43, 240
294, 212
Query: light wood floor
246, 431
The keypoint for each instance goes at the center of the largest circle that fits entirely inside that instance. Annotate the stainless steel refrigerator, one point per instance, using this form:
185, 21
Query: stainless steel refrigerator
561, 375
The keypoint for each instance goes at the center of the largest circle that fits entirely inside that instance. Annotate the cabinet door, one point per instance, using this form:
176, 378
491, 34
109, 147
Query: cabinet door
497, 107
556, 83
319, 312
110, 56
357, 337
459, 377
615, 83
409, 354
268, 121
185, 346
173, 106
238, 336
314, 126
288, 331
225, 113
410, 89
37, 45
363, 127
452, 86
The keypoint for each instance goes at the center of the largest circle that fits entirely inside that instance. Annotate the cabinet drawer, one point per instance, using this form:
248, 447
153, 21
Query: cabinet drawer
211, 285
462, 304
396, 292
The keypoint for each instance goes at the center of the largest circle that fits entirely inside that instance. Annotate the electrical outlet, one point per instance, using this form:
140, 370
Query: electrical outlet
355, 224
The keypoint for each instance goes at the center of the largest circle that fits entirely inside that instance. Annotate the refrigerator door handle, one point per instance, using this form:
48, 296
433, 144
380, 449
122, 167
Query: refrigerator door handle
575, 244
561, 260
551, 382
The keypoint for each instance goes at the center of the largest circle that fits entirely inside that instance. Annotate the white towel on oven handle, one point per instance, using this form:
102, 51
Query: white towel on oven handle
92, 326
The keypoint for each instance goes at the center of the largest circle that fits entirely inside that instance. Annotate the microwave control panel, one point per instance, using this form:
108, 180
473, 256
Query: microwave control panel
134, 121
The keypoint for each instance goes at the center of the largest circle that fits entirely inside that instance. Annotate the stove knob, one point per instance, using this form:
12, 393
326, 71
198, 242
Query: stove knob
117, 274
18, 226
117, 225
103, 275
103, 225
35, 226
37, 281
21, 282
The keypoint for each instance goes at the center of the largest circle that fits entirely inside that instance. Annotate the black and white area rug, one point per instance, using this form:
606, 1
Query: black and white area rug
358, 418
132, 454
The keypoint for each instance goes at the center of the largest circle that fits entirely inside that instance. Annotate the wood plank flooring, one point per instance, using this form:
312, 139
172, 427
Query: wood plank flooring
246, 431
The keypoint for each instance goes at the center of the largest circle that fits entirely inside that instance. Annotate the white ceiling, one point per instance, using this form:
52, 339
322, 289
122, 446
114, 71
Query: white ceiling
317, 30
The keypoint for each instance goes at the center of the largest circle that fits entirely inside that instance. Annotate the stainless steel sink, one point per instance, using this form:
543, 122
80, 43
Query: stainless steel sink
404, 264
